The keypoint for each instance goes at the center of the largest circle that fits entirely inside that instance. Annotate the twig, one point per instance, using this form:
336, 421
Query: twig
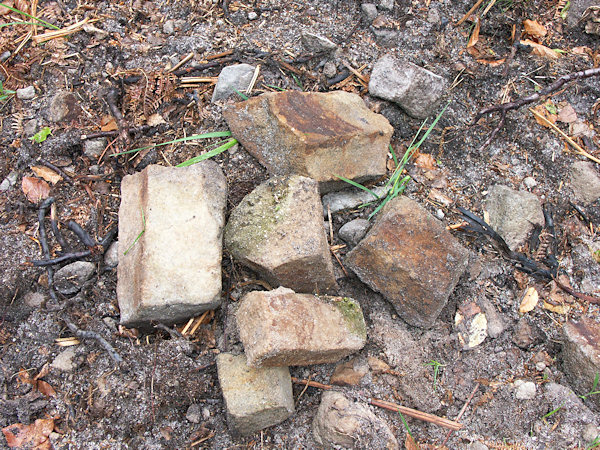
339, 78
503, 108
66, 257
44, 243
172, 332
83, 235
93, 335
112, 98
181, 63
100, 134
56, 231
392, 407
462, 411
471, 11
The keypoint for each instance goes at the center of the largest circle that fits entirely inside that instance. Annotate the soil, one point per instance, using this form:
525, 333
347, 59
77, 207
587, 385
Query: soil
142, 402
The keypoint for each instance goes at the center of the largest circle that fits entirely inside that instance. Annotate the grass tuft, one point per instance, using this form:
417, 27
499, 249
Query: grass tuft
38, 20
194, 137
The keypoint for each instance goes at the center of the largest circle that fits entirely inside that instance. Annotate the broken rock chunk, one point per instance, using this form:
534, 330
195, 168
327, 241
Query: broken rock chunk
318, 135
70, 278
170, 233
410, 258
282, 328
416, 90
342, 422
277, 230
236, 77
254, 398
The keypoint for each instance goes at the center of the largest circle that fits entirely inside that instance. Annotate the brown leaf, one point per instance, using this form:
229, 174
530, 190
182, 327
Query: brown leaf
47, 174
543, 111
439, 197
410, 444
35, 189
426, 161
541, 50
475, 35
4, 10
30, 436
567, 114
530, 299
534, 28
492, 62
108, 123
45, 388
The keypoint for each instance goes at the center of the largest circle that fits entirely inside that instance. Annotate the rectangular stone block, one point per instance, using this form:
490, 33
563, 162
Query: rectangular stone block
411, 259
254, 398
281, 328
170, 232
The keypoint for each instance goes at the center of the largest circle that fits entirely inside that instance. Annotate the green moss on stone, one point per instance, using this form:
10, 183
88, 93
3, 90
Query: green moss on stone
352, 314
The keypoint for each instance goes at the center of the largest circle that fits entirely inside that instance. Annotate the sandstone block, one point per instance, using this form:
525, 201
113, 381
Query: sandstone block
581, 356
410, 258
317, 135
281, 327
173, 270
416, 90
254, 398
513, 214
277, 230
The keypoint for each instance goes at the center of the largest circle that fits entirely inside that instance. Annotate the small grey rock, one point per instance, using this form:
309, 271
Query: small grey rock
495, 322
590, 432
30, 127
585, 182
34, 299
26, 93
329, 69
433, 16
477, 446
529, 182
64, 360
252, 15
194, 413
353, 231
111, 256
388, 5
235, 77
525, 390
348, 199
4, 56
63, 106
70, 278
369, 11
169, 26
93, 148
317, 44
9, 181
526, 335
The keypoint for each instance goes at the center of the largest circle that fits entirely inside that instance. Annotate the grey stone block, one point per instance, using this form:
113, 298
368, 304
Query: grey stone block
232, 78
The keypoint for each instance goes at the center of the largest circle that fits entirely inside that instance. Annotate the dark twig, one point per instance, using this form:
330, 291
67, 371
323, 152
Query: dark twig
172, 331
462, 411
110, 236
44, 244
66, 257
112, 98
93, 335
503, 108
56, 231
100, 134
339, 78
58, 170
83, 235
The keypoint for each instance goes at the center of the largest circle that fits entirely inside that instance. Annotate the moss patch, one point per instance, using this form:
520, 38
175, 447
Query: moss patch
352, 314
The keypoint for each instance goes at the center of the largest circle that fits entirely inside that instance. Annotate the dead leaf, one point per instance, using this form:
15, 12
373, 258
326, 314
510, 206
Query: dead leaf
35, 189
439, 197
492, 62
534, 28
426, 161
46, 173
541, 50
543, 111
30, 436
154, 120
567, 114
45, 388
529, 301
585, 51
475, 34
108, 123
558, 309
410, 444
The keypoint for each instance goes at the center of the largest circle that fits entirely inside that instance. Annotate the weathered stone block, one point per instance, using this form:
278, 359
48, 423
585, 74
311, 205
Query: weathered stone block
254, 398
173, 270
416, 90
277, 230
581, 355
281, 327
513, 214
410, 258
318, 135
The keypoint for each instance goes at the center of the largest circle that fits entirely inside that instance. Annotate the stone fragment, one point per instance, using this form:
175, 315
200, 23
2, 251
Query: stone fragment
170, 228
378, 366
585, 182
194, 413
581, 355
349, 373
342, 422
471, 324
111, 256
282, 328
525, 390
317, 44
348, 199
9, 181
252, 15
387, 5
254, 398
70, 278
495, 323
411, 259
513, 214
318, 135
169, 26
93, 148
369, 11
63, 106
353, 231
26, 93
277, 230
329, 69
64, 360
236, 77
526, 334
34, 299
416, 90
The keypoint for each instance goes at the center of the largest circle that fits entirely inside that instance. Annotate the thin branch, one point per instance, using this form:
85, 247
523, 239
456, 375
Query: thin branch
462, 411
93, 335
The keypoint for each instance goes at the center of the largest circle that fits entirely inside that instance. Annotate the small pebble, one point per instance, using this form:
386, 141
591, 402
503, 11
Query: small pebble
525, 390
26, 93
64, 360
369, 11
252, 15
529, 182
439, 214
169, 26
540, 366
93, 148
111, 256
34, 299
9, 181
194, 413
329, 69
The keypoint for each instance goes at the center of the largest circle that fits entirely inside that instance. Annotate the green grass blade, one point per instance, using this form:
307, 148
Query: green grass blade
42, 22
432, 126
358, 185
230, 143
244, 96
406, 425
214, 134
276, 87
139, 235
17, 23
394, 156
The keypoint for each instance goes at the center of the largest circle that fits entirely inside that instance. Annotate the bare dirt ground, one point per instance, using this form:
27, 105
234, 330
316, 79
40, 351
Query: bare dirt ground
127, 48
